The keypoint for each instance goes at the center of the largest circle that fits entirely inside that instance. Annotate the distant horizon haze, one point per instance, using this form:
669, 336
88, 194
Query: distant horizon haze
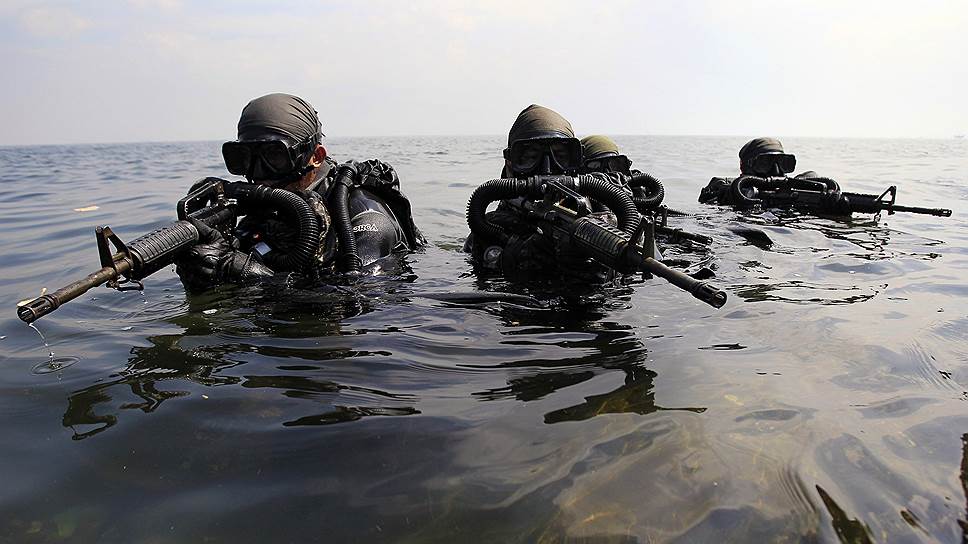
393, 136
168, 70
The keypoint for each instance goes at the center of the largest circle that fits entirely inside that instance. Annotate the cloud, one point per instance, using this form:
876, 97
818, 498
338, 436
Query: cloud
51, 21
442, 67
166, 5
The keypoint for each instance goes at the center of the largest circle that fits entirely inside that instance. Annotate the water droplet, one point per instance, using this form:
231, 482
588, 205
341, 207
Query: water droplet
53, 365
46, 345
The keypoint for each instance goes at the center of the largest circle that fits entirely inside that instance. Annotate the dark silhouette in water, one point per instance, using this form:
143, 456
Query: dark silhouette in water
613, 347
964, 485
848, 529
168, 360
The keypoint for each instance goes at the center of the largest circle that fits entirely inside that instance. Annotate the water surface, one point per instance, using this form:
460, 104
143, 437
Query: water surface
825, 401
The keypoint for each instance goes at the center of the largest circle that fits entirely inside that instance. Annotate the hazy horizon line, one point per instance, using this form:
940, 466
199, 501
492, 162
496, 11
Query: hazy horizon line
617, 135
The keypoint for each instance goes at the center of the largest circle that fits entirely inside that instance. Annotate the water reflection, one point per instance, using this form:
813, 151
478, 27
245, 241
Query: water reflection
217, 340
811, 293
803, 259
869, 234
963, 476
636, 396
848, 529
238, 415
164, 360
589, 347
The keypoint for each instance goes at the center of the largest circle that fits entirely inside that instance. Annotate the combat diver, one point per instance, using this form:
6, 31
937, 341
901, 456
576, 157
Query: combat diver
601, 154
358, 210
540, 143
763, 182
760, 158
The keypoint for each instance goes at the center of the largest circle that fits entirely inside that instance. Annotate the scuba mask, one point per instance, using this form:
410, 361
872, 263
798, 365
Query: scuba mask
609, 164
771, 164
544, 156
270, 159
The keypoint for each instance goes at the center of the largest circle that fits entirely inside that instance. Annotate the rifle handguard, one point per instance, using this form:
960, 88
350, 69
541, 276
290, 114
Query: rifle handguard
605, 243
157, 249
612, 247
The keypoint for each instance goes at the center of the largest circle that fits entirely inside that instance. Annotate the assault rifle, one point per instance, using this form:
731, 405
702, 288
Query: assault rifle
819, 195
124, 269
614, 247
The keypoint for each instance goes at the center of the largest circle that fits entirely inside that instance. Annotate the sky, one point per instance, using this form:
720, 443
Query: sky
172, 70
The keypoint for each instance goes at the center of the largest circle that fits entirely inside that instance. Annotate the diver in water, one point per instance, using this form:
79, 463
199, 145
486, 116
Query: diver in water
361, 214
601, 154
761, 158
541, 142
764, 182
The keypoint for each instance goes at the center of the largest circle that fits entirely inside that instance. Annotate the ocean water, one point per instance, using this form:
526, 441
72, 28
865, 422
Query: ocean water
828, 400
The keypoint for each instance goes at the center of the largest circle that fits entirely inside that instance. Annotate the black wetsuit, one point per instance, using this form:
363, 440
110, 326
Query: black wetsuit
531, 253
380, 216
376, 228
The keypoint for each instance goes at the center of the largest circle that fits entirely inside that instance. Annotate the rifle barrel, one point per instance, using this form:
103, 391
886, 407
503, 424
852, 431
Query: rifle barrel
699, 289
940, 212
612, 247
141, 258
45, 304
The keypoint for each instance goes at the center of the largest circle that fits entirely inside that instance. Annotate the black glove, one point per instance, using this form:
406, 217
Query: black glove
717, 192
213, 261
375, 173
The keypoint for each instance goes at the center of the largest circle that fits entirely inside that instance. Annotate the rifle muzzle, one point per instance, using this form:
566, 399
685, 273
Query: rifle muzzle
709, 294
37, 308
